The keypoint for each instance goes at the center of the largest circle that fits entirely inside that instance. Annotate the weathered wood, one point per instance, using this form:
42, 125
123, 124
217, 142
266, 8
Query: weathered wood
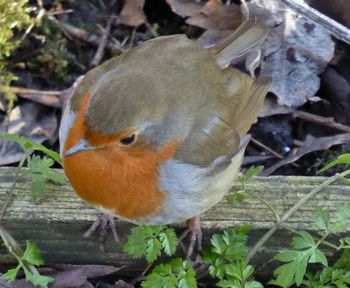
57, 221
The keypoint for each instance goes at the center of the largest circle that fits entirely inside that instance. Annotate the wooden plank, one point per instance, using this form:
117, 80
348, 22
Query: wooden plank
57, 221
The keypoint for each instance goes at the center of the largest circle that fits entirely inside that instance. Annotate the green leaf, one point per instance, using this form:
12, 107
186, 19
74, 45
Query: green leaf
287, 256
40, 280
11, 274
322, 219
285, 275
176, 273
187, 277
169, 241
149, 241
137, 244
253, 284
39, 169
303, 240
318, 256
343, 261
27, 144
342, 159
250, 173
343, 214
32, 254
153, 250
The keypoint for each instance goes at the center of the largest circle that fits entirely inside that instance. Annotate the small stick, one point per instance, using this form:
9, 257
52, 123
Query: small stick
335, 28
85, 36
262, 145
103, 43
325, 121
292, 210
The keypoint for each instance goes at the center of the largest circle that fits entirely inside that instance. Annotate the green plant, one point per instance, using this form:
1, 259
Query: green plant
226, 258
39, 170
149, 241
248, 175
175, 273
29, 259
14, 16
307, 250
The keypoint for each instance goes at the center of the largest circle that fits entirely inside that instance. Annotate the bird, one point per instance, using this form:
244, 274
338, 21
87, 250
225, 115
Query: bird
157, 134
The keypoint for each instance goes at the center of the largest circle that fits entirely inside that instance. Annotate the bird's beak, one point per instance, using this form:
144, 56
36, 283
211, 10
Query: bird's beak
82, 145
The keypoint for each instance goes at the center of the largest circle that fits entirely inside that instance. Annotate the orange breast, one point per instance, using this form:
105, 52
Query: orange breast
123, 180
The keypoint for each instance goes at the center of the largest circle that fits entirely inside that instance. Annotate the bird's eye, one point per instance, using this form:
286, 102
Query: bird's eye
128, 140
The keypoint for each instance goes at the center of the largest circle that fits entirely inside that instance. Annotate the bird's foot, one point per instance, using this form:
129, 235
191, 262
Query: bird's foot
102, 224
195, 231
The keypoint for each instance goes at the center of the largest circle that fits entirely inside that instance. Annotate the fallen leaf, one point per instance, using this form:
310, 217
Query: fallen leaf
216, 16
293, 55
210, 37
69, 279
122, 284
132, 13
271, 107
185, 8
29, 119
92, 271
338, 89
310, 144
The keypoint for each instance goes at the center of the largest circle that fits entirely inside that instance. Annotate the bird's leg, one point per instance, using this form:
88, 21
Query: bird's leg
102, 224
195, 231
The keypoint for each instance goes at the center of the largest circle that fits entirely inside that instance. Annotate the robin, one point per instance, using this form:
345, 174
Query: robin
157, 134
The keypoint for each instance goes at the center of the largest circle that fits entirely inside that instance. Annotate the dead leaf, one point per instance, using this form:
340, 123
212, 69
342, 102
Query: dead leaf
210, 37
293, 55
32, 120
216, 16
310, 144
122, 284
185, 8
271, 107
75, 278
339, 94
93, 271
132, 13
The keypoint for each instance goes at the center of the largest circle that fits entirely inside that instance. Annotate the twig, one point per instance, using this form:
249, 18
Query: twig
49, 98
10, 193
103, 43
335, 28
326, 243
14, 249
261, 145
325, 121
23, 90
85, 36
292, 210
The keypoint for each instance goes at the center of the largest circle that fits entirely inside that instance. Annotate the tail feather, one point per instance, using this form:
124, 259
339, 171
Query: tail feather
247, 36
251, 104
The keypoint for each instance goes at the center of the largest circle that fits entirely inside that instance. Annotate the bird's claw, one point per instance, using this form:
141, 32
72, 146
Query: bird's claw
102, 224
195, 231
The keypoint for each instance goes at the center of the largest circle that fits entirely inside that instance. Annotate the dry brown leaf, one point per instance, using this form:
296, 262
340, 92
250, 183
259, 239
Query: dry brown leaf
132, 13
294, 56
216, 16
185, 8
339, 94
310, 144
210, 37
93, 271
32, 120
271, 107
